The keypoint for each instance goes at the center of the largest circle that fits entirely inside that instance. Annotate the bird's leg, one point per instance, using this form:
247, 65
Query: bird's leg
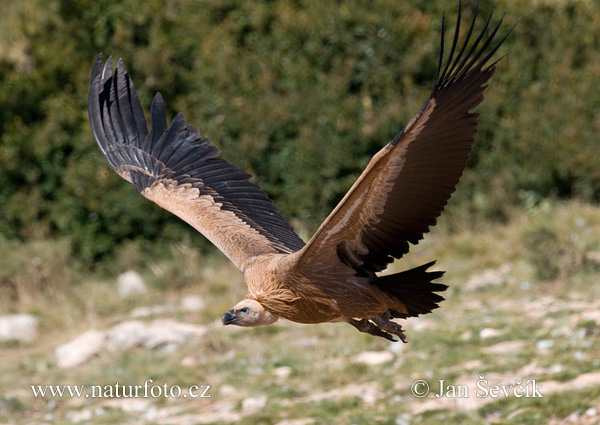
385, 323
364, 325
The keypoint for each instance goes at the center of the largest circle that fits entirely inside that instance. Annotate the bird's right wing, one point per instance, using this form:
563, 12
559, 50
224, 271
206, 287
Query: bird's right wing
180, 171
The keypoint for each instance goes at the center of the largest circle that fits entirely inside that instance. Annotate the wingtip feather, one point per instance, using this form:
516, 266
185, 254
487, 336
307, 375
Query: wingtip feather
96, 68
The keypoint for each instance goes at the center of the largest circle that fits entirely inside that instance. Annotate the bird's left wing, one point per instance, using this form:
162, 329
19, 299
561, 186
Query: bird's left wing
407, 184
180, 171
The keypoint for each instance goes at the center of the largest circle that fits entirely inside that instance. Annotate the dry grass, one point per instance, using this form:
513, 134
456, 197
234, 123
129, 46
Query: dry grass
503, 318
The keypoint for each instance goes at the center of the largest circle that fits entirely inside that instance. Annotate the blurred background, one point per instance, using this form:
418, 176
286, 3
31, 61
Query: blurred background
300, 94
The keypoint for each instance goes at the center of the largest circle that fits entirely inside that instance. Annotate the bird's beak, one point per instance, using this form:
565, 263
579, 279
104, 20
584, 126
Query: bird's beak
228, 318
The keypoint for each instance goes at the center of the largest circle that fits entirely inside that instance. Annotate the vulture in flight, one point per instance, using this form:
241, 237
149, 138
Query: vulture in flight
333, 277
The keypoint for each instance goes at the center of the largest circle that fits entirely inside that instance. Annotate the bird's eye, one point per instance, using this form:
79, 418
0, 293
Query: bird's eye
245, 310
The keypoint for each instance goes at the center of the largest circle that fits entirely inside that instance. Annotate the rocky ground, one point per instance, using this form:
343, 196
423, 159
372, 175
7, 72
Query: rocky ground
505, 347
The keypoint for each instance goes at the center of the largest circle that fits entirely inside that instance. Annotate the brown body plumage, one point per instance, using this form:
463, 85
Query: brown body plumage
333, 277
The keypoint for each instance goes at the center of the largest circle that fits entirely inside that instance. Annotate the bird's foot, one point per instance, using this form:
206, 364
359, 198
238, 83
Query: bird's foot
385, 323
380, 326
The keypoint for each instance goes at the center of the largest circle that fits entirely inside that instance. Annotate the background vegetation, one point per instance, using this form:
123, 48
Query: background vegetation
299, 93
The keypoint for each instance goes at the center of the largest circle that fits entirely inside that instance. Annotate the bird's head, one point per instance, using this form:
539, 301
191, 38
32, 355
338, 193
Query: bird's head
248, 313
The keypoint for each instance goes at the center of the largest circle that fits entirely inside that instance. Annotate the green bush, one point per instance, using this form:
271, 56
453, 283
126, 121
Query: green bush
544, 251
301, 94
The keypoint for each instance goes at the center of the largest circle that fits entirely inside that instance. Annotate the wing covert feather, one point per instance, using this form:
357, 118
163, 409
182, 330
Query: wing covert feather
180, 171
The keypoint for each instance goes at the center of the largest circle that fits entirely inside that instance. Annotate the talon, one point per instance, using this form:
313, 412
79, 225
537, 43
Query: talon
380, 326
370, 328
385, 323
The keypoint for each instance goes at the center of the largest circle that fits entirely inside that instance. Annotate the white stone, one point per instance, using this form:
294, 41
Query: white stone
251, 405
370, 396
590, 315
130, 284
544, 344
554, 369
402, 420
165, 331
488, 278
80, 350
303, 421
136, 404
80, 416
153, 310
18, 327
125, 335
189, 361
373, 358
159, 333
487, 333
593, 256
282, 371
192, 303
226, 390
396, 348
506, 347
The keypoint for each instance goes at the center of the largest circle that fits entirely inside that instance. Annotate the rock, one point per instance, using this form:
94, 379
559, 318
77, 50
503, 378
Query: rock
586, 380
487, 333
135, 404
125, 335
403, 420
554, 369
396, 349
189, 361
154, 310
167, 334
166, 331
573, 418
489, 277
80, 350
506, 347
282, 372
350, 390
251, 405
192, 304
303, 421
81, 416
590, 315
226, 390
370, 396
419, 324
159, 333
544, 344
373, 358
593, 256
130, 284
18, 327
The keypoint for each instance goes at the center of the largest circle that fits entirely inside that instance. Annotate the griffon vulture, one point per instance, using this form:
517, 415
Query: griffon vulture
332, 278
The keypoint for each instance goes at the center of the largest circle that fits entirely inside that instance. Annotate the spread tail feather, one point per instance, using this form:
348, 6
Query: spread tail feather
414, 288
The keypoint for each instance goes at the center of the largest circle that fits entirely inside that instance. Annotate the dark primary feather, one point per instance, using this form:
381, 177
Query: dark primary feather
175, 152
436, 158
407, 185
